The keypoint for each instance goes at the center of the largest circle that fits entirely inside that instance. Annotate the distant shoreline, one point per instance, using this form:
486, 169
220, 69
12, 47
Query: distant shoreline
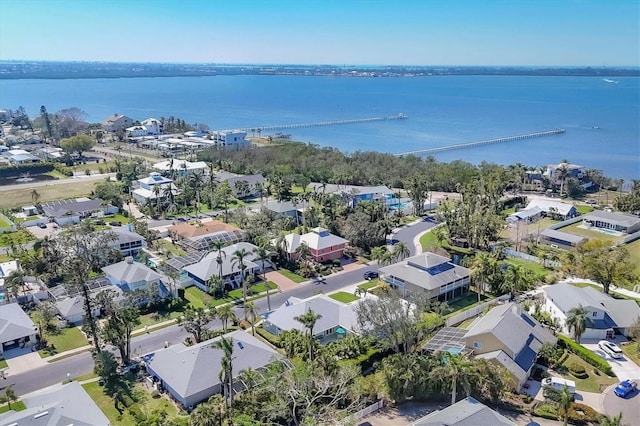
17, 70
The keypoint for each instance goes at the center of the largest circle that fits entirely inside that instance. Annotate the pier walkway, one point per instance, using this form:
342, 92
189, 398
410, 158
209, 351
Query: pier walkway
484, 142
270, 128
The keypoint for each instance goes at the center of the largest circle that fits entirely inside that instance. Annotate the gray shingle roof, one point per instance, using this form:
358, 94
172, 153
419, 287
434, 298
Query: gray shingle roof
57, 405
547, 205
208, 265
133, 272
192, 369
61, 208
616, 218
427, 270
14, 323
468, 412
562, 236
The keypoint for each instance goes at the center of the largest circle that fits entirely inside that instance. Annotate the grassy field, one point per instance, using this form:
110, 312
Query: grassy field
536, 268
465, 302
66, 339
541, 224
343, 296
72, 188
292, 276
596, 235
428, 240
4, 223
19, 237
631, 352
593, 383
582, 209
170, 248
634, 253
197, 298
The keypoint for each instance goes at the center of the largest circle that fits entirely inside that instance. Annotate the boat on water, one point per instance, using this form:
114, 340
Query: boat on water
609, 81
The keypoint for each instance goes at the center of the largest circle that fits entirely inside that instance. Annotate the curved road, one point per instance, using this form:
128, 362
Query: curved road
56, 372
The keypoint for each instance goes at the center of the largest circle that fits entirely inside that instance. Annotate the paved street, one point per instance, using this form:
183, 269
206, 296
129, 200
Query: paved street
629, 406
408, 233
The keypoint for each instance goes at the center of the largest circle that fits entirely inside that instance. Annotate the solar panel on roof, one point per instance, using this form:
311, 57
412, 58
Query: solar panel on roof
438, 269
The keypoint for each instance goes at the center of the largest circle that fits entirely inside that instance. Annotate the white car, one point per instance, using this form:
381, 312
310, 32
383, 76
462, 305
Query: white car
610, 349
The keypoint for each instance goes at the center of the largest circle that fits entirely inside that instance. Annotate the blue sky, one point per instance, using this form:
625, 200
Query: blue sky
420, 32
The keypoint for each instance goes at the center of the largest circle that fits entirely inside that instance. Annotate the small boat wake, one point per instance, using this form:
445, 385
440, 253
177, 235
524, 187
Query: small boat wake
606, 80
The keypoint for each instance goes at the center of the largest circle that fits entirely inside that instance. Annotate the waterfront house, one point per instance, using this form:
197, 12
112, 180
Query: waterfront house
60, 404
229, 137
153, 126
116, 122
153, 187
324, 246
614, 221
606, 316
65, 212
191, 374
338, 319
180, 167
136, 131
132, 276
16, 328
199, 273
510, 337
468, 412
428, 273
553, 208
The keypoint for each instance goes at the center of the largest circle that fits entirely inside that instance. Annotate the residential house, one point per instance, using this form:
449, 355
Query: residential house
229, 137
153, 187
509, 337
191, 374
428, 273
20, 156
117, 122
614, 221
128, 243
554, 171
16, 328
337, 319
6, 269
153, 126
180, 167
60, 404
468, 412
199, 236
560, 239
131, 276
243, 186
324, 246
525, 216
285, 208
136, 131
199, 273
70, 303
355, 193
553, 208
51, 153
606, 316
71, 211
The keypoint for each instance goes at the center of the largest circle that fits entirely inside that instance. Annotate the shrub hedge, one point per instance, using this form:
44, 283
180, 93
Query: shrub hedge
585, 354
578, 371
18, 169
546, 411
274, 340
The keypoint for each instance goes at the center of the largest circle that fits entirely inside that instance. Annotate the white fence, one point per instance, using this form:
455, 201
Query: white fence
363, 413
548, 263
476, 310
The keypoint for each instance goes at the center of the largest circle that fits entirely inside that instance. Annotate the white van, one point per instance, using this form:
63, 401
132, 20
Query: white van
559, 383
610, 349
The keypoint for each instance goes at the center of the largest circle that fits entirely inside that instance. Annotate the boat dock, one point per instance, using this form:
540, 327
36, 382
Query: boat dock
484, 142
261, 129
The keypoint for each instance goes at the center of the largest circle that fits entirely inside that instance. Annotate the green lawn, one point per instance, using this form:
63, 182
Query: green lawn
584, 209
56, 174
369, 284
541, 224
634, 253
465, 302
428, 240
197, 298
117, 218
3, 363
593, 383
15, 406
66, 339
261, 287
142, 399
596, 235
536, 268
343, 296
169, 248
21, 236
630, 350
466, 323
292, 276
4, 223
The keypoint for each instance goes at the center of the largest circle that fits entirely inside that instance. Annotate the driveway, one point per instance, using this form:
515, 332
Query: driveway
27, 361
629, 406
623, 368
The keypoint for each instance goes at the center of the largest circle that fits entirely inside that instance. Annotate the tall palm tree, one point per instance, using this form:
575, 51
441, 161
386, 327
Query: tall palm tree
35, 196
218, 246
379, 253
226, 372
225, 313
309, 320
13, 282
239, 256
480, 271
454, 369
251, 310
577, 321
303, 252
157, 189
196, 179
263, 254
519, 277
566, 397
401, 251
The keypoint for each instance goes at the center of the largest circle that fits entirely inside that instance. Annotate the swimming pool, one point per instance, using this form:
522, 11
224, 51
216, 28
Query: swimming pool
400, 206
452, 349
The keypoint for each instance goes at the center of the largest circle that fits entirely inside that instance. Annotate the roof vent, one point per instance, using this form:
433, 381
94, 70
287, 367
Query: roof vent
129, 260
44, 413
240, 345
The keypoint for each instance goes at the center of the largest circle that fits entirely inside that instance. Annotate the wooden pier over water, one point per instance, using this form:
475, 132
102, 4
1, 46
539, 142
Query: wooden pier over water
270, 128
484, 142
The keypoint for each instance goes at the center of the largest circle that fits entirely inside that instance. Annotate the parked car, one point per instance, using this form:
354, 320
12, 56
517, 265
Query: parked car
369, 275
99, 222
610, 349
625, 388
42, 225
115, 223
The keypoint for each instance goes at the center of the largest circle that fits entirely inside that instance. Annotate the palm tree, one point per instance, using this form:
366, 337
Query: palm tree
263, 254
519, 277
225, 313
209, 413
480, 271
35, 196
379, 253
218, 246
401, 251
13, 282
563, 172
226, 372
309, 321
251, 310
303, 252
157, 189
239, 257
441, 233
454, 369
566, 397
195, 181
577, 321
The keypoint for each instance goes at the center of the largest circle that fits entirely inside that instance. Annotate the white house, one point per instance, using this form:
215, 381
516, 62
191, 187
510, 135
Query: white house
65, 212
131, 276
229, 137
181, 167
16, 328
136, 131
147, 188
153, 126
566, 211
606, 316
116, 122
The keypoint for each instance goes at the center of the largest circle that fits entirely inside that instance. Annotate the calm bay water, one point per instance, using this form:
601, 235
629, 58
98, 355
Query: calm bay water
602, 119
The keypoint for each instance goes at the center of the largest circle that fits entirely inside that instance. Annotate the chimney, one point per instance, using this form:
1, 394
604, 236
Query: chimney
129, 259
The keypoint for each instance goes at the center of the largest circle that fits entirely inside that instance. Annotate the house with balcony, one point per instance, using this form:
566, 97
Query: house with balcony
606, 316
337, 319
153, 126
229, 137
153, 187
117, 122
128, 243
324, 246
509, 337
134, 276
356, 193
613, 221
428, 273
